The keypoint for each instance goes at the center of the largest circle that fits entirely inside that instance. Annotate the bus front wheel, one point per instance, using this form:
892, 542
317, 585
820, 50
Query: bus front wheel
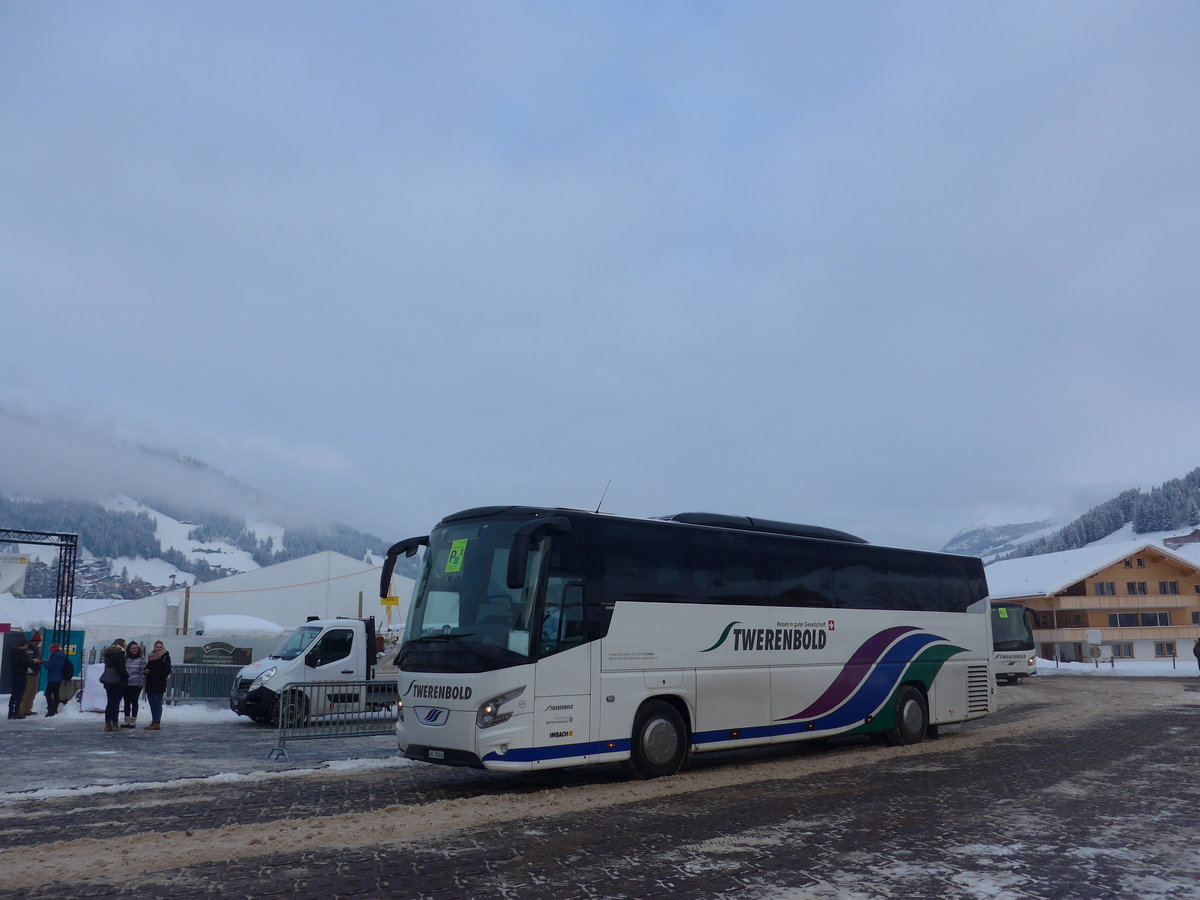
659, 744
912, 717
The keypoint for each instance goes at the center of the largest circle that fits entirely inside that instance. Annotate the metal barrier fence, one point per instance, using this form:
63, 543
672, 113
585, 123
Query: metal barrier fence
333, 709
200, 681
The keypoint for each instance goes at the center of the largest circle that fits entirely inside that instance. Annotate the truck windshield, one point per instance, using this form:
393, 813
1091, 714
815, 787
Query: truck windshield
297, 642
464, 617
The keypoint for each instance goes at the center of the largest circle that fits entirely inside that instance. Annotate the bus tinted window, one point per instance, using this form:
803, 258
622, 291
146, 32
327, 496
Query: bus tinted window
798, 572
916, 581
868, 578
860, 577
643, 562
726, 568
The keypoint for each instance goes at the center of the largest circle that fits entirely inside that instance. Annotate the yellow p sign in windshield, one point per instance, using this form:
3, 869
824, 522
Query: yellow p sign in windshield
1003, 612
458, 550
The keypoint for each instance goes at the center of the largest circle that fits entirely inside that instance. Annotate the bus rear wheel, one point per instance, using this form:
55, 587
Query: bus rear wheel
912, 717
659, 743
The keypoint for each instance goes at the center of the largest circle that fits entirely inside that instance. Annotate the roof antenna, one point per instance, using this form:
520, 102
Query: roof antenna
605, 494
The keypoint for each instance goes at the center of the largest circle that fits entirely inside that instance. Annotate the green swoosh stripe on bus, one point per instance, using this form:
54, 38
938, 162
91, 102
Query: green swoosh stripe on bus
724, 635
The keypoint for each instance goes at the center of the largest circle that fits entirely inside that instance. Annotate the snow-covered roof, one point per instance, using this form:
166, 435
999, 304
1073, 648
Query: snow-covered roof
1046, 575
241, 626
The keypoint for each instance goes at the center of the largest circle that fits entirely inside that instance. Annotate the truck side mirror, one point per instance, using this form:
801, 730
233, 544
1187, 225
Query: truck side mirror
311, 659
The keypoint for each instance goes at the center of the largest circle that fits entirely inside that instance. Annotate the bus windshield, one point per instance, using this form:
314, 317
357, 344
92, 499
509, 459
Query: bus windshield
463, 616
1010, 628
297, 642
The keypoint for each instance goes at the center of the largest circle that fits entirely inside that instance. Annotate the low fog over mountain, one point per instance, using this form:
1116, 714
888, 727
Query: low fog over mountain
147, 519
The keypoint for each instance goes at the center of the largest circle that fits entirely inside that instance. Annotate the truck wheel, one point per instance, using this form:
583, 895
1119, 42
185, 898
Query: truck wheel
659, 742
912, 717
292, 707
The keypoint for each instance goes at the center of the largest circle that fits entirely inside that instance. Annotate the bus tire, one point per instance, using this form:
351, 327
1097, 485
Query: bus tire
659, 743
912, 717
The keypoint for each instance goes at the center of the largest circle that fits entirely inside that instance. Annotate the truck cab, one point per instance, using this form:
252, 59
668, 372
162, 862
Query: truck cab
321, 650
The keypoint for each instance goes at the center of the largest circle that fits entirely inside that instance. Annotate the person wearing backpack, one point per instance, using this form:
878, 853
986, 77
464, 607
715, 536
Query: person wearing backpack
55, 668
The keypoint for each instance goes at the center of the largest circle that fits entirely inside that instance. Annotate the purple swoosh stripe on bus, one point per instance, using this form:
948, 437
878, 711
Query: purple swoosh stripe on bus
853, 673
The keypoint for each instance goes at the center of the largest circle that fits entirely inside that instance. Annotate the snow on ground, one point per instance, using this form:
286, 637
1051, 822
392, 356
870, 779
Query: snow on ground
345, 766
1151, 668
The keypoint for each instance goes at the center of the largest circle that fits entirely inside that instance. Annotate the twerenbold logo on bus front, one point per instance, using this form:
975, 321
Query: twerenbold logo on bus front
436, 691
808, 637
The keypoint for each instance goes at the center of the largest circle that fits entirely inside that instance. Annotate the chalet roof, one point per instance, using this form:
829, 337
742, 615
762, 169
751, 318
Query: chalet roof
1050, 573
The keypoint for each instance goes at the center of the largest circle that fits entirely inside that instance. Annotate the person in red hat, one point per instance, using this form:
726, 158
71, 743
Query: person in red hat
55, 663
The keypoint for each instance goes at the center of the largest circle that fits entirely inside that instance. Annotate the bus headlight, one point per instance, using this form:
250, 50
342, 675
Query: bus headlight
490, 713
263, 677
400, 710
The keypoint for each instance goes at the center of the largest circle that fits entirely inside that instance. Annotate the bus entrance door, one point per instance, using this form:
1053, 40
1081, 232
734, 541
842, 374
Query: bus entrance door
562, 715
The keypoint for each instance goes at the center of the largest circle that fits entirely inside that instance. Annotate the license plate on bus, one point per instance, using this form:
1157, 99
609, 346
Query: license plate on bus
437, 754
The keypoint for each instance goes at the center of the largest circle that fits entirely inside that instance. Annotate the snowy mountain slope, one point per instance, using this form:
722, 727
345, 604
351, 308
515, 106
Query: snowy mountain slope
173, 534
991, 541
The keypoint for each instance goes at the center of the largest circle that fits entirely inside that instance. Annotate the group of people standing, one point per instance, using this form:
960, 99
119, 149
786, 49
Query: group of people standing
25, 663
128, 670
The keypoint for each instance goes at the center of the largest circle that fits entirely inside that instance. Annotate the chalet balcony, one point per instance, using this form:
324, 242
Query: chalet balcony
1177, 633
1128, 601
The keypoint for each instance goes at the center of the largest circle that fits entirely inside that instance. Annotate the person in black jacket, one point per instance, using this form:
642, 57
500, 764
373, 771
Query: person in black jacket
1196, 651
31, 683
158, 669
19, 662
114, 679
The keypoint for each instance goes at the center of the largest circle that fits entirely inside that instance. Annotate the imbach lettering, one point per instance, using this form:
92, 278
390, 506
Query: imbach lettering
778, 638
440, 692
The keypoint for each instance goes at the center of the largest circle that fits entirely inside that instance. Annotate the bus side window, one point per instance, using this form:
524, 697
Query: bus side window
726, 568
562, 622
798, 573
642, 562
860, 577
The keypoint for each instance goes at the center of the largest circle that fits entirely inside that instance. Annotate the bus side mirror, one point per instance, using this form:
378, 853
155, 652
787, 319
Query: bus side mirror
311, 659
525, 537
409, 548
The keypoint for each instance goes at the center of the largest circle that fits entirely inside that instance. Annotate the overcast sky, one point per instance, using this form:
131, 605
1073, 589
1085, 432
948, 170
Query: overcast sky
892, 268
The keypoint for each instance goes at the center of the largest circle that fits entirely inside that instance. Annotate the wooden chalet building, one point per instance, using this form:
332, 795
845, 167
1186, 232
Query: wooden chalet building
1141, 601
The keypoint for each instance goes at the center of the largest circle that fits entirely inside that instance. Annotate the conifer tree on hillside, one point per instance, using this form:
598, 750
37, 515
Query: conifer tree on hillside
1173, 505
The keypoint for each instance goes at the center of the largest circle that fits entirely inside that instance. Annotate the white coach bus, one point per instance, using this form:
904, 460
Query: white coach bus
1013, 656
538, 638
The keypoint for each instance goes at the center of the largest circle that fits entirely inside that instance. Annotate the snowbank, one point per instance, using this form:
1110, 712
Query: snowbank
1122, 668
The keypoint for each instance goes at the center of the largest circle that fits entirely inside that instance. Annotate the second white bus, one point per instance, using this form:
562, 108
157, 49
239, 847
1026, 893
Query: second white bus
1013, 656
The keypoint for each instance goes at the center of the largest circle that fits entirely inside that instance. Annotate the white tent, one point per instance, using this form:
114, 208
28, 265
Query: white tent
326, 584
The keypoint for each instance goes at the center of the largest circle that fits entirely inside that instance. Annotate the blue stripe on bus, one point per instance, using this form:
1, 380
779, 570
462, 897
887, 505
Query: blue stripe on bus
560, 751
